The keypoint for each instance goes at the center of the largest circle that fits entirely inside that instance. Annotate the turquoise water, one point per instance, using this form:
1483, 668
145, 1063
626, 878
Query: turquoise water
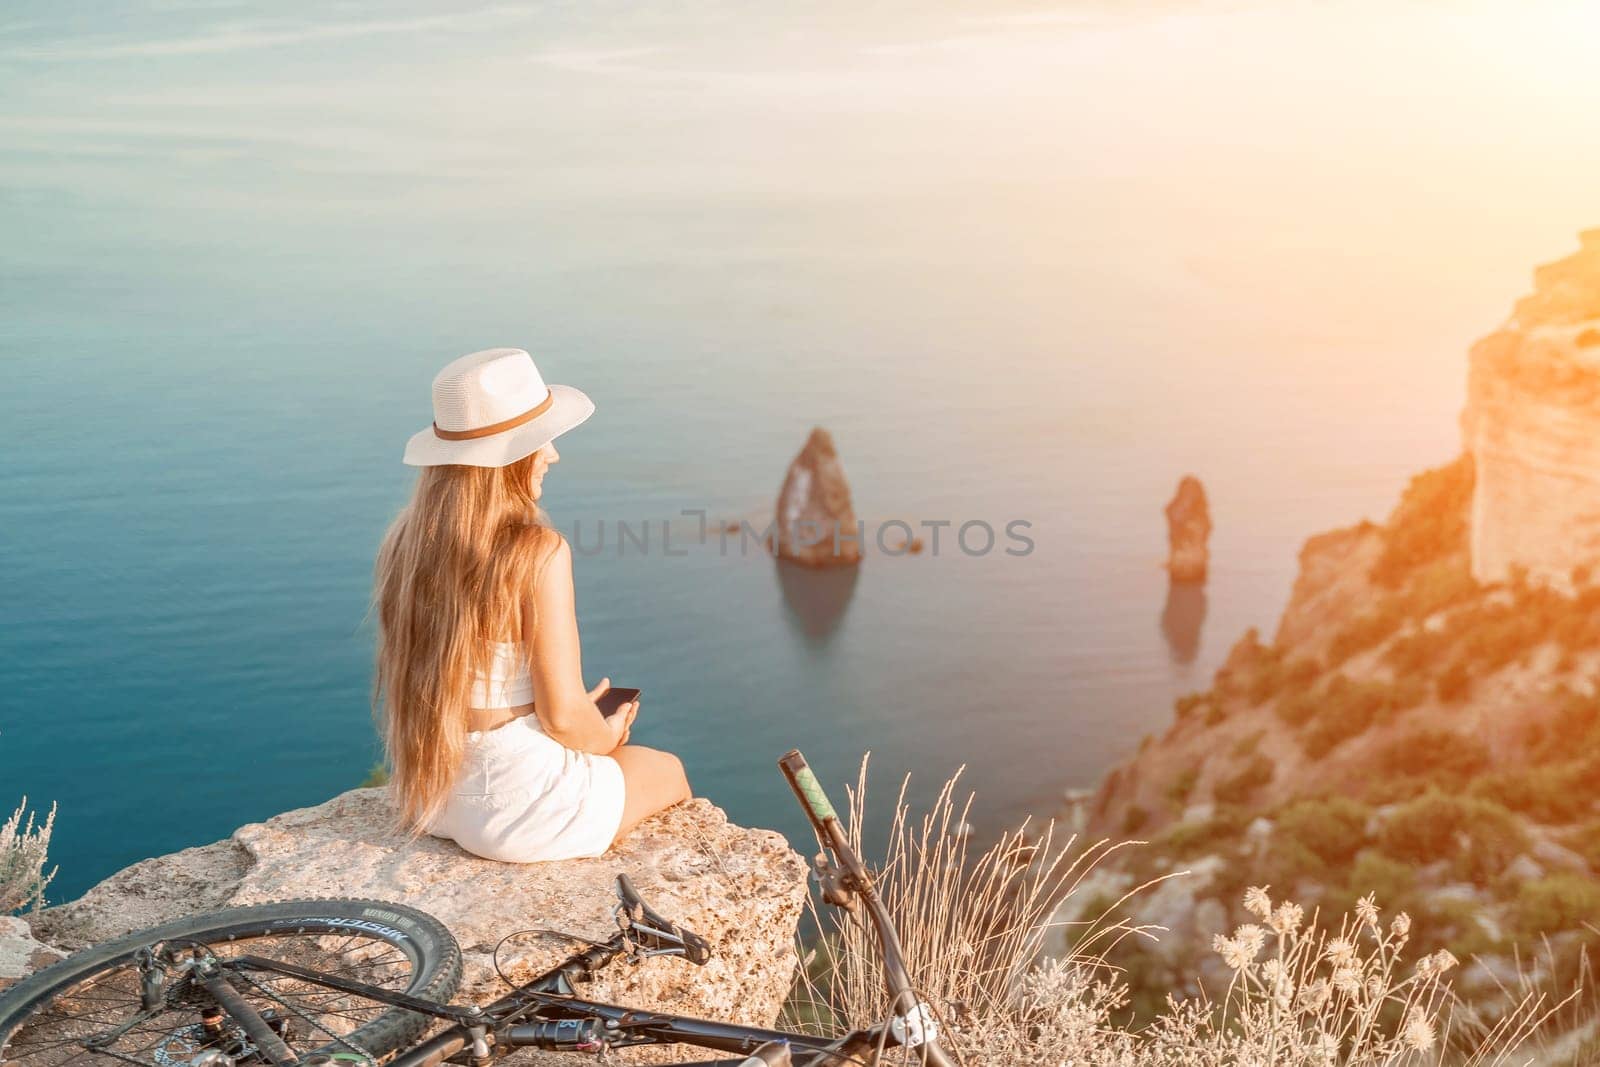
231, 269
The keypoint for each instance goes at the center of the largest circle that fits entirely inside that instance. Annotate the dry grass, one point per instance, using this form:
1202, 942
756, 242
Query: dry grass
974, 926
23, 851
970, 926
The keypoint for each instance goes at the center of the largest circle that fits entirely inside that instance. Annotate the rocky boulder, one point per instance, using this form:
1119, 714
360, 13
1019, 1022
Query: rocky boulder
1188, 532
20, 952
816, 521
743, 890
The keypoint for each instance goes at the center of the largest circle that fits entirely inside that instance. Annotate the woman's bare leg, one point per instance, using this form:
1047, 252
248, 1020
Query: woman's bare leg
654, 780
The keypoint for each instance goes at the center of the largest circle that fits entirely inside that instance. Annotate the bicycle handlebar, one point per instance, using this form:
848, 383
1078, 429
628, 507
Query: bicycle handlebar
856, 880
809, 791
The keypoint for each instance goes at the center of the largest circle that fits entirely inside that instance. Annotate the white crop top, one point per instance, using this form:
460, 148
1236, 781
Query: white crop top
509, 683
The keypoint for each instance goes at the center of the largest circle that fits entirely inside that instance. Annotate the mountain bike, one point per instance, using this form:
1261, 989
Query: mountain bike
359, 983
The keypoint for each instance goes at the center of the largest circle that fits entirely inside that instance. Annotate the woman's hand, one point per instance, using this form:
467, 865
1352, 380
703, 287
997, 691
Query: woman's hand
619, 722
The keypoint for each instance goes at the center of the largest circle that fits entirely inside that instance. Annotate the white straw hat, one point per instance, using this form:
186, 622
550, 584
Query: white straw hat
492, 408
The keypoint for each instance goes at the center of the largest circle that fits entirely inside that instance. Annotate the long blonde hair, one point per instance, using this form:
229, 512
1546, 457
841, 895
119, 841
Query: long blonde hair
454, 572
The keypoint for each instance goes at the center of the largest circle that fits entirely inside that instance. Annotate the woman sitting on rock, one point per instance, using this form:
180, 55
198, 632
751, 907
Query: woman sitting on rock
492, 738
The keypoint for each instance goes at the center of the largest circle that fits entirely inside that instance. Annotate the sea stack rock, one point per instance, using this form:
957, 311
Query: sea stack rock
1532, 424
1188, 530
816, 522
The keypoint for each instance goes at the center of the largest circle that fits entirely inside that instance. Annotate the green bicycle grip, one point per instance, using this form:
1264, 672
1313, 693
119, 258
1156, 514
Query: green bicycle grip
807, 789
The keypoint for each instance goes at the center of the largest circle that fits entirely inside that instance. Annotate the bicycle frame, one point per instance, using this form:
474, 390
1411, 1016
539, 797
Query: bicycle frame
547, 1014
484, 1034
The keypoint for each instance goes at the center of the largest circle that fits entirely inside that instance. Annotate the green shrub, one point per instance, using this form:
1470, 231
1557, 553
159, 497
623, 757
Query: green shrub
1429, 522
1454, 921
1215, 713
1246, 745
1350, 708
1560, 902
1181, 786
1302, 673
1575, 727
1287, 862
1444, 756
1417, 653
1383, 790
1479, 835
1488, 636
1367, 630
1267, 678
1239, 787
1407, 691
1585, 841
1204, 835
1272, 674
1576, 626
1547, 794
1188, 704
1425, 829
1455, 683
1334, 829
1440, 585
1389, 881
1297, 708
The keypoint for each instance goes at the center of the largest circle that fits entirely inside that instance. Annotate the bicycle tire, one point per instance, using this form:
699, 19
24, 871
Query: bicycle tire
435, 956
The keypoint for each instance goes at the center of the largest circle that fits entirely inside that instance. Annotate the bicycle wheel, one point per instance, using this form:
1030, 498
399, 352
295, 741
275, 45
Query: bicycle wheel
79, 1010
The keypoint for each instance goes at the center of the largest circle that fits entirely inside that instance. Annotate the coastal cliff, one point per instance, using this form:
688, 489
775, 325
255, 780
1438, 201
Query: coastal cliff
1424, 724
1532, 424
743, 890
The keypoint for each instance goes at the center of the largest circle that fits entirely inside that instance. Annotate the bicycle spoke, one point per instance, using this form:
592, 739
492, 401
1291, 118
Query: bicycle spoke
314, 1015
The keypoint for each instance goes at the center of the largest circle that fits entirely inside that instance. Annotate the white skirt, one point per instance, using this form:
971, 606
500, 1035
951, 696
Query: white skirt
522, 796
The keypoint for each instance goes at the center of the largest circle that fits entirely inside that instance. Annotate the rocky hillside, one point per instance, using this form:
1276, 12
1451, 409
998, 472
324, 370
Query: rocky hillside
1424, 724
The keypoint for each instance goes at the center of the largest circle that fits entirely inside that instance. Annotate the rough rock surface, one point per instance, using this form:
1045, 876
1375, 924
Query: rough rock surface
816, 521
1532, 423
1188, 531
741, 889
20, 953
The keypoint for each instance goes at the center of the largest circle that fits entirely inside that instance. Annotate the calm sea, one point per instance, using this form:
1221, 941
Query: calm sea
231, 269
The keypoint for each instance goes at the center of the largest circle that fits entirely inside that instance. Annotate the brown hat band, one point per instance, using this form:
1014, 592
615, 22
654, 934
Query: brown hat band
496, 427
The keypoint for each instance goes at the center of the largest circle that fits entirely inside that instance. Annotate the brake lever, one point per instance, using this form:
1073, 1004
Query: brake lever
837, 889
636, 953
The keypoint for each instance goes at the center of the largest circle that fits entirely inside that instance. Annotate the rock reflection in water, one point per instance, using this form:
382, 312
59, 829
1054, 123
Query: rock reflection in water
1182, 619
817, 597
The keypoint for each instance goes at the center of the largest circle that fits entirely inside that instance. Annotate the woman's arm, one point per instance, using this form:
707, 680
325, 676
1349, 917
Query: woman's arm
566, 710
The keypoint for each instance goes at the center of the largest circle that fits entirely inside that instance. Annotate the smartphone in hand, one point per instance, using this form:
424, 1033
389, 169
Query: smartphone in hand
612, 699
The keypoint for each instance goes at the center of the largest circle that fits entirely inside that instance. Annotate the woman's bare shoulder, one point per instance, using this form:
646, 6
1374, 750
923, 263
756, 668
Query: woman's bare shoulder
534, 538
551, 553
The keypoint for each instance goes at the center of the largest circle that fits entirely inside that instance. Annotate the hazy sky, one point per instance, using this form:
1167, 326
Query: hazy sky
1354, 146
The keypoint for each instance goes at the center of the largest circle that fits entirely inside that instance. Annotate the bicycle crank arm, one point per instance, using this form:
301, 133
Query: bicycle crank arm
455, 1013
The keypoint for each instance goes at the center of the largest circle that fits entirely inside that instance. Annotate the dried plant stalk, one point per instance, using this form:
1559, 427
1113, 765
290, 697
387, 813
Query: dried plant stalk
24, 849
